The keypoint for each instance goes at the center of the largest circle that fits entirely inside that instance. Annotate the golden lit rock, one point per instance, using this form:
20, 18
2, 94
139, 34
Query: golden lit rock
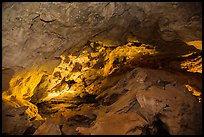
102, 68
194, 91
196, 43
79, 79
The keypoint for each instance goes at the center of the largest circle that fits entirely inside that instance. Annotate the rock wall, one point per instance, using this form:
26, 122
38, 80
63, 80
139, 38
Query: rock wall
35, 33
78, 55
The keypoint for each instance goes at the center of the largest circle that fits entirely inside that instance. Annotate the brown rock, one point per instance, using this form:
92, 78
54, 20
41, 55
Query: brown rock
14, 121
115, 124
50, 127
16, 125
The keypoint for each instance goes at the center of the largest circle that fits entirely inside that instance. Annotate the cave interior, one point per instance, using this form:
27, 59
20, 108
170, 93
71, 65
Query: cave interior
101, 68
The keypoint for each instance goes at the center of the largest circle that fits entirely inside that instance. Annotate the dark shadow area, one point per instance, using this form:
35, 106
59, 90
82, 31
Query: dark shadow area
156, 128
7, 74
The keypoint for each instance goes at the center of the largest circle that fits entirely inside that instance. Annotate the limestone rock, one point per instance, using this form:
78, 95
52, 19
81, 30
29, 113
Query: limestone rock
90, 40
157, 110
50, 127
115, 124
14, 121
34, 31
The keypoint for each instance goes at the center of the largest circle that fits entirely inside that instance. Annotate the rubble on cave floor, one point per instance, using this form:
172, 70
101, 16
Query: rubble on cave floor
127, 89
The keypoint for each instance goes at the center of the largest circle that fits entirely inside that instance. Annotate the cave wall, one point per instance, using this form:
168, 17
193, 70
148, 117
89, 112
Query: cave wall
35, 33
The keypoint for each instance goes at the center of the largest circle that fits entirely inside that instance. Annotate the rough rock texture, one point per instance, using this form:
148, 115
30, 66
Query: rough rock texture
15, 121
112, 91
151, 102
122, 123
14, 117
6, 76
50, 127
144, 101
34, 33
102, 68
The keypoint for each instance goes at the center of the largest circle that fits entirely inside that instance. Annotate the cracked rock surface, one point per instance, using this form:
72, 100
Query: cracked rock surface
138, 107
41, 31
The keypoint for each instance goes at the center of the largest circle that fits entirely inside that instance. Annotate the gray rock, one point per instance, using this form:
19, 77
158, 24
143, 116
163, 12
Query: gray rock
33, 33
